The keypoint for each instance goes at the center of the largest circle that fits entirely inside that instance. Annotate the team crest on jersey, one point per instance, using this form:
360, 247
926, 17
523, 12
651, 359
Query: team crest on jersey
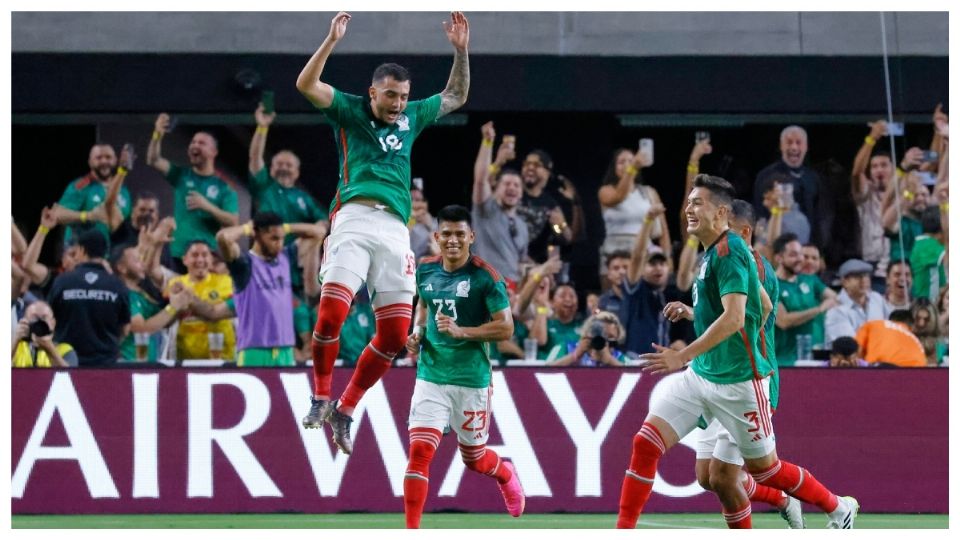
90, 277
804, 288
301, 203
189, 183
463, 289
96, 198
212, 192
429, 287
403, 123
703, 269
214, 295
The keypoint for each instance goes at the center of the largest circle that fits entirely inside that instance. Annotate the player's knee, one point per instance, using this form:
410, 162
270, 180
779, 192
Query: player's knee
723, 479
644, 448
328, 325
391, 334
421, 454
703, 477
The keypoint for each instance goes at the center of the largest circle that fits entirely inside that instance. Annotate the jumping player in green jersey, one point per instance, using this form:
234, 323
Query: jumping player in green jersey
369, 240
463, 308
719, 463
728, 377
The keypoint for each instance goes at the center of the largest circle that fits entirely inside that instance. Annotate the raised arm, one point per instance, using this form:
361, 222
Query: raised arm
154, 159
111, 209
482, 166
36, 271
686, 271
458, 86
639, 253
259, 141
664, 241
861, 161
227, 240
532, 285
308, 83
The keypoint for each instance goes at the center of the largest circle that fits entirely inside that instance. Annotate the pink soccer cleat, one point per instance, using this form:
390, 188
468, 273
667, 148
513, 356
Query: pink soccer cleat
513, 492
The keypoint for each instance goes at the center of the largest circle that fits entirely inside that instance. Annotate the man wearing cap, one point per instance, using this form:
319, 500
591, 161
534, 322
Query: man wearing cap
645, 291
858, 303
91, 305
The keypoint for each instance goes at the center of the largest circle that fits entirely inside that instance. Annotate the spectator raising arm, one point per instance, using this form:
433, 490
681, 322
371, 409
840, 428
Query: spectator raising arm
308, 82
687, 267
639, 254
150, 246
483, 169
611, 195
259, 141
36, 271
113, 212
699, 150
154, 159
531, 286
861, 162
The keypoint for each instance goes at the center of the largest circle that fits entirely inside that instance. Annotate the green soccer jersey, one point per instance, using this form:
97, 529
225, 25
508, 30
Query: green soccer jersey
798, 295
85, 194
771, 285
357, 331
470, 295
729, 268
374, 156
197, 224
292, 204
142, 305
911, 228
562, 338
927, 263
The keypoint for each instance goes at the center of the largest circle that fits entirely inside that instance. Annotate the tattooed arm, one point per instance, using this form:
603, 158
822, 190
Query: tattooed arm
455, 94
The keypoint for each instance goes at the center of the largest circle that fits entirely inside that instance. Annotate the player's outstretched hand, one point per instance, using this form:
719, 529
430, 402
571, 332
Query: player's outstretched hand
663, 361
338, 26
674, 311
458, 30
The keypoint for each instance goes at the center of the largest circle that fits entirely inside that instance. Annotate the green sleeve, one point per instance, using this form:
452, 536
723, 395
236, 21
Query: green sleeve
818, 287
175, 175
496, 297
228, 202
732, 272
339, 110
72, 198
125, 210
427, 111
259, 181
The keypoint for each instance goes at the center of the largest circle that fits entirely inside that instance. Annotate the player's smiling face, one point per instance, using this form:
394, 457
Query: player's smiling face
700, 211
454, 239
388, 98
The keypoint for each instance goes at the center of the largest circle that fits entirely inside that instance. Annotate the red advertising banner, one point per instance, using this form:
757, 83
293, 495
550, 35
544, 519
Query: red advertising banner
208, 441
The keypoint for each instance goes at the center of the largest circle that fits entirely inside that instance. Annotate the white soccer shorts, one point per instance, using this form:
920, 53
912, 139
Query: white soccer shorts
715, 442
465, 410
373, 244
743, 409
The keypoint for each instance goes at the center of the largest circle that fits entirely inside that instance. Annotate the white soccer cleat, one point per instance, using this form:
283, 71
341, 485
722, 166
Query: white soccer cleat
793, 514
845, 521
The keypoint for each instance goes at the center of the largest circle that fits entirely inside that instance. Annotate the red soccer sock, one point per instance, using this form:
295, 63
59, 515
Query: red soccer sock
738, 519
764, 494
799, 483
648, 446
335, 300
393, 321
416, 482
484, 461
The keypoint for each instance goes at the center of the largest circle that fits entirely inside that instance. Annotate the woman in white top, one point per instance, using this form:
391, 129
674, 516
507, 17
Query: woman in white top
624, 202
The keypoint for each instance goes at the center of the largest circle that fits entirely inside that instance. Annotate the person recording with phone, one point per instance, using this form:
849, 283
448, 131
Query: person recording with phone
33, 344
599, 345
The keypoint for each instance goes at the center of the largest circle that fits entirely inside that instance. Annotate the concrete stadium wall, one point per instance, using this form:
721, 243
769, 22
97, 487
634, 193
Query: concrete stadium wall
548, 33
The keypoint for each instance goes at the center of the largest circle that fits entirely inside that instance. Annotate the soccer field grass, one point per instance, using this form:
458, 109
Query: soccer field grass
446, 521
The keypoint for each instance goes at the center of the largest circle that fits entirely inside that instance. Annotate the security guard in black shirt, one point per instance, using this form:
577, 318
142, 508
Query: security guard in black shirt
91, 305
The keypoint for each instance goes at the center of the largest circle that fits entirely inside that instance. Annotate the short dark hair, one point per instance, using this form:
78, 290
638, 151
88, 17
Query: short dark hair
264, 220
93, 243
881, 153
454, 213
146, 195
743, 211
722, 191
781, 242
901, 316
195, 241
930, 220
505, 171
895, 262
216, 143
619, 254
544, 157
394, 71
844, 346
116, 253
811, 244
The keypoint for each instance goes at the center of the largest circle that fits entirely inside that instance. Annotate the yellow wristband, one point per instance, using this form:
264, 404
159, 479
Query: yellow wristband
692, 242
286, 228
157, 135
537, 277
775, 211
43, 229
83, 216
542, 310
122, 171
870, 140
944, 207
647, 221
170, 309
691, 168
262, 129
493, 168
487, 142
907, 195
632, 170
247, 229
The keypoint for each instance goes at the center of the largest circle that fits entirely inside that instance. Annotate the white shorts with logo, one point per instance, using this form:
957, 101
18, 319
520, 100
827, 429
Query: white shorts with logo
373, 244
465, 410
742, 409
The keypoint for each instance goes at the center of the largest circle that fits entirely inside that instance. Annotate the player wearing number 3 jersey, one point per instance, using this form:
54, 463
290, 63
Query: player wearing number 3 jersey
463, 307
728, 379
369, 241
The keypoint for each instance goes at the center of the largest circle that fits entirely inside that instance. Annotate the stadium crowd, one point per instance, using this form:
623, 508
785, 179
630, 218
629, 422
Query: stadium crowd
180, 287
